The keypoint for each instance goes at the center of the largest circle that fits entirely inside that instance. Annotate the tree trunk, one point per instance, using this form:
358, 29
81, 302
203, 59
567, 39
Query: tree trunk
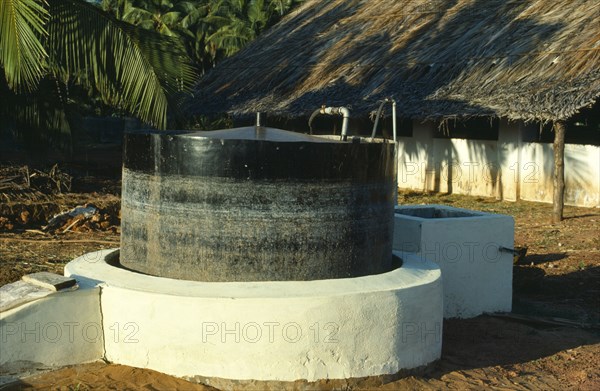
559, 171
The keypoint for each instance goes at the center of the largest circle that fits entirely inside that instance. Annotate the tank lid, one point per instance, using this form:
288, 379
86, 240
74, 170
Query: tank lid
259, 133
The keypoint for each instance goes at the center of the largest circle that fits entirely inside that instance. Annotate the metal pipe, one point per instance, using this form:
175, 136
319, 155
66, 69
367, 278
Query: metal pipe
343, 111
394, 127
311, 119
395, 142
394, 119
378, 115
377, 119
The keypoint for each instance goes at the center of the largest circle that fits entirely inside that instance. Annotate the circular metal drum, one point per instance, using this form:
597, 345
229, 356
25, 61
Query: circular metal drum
256, 204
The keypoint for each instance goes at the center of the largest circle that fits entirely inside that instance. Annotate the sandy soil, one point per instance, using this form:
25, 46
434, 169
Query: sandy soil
480, 353
102, 376
559, 278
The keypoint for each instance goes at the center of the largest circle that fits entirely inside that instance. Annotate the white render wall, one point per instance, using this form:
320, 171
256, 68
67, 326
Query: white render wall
278, 331
582, 173
477, 277
507, 169
61, 329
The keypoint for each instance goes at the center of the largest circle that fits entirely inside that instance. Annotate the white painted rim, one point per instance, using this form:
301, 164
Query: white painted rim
93, 269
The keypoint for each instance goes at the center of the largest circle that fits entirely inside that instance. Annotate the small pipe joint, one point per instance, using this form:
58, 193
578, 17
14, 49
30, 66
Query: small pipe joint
343, 111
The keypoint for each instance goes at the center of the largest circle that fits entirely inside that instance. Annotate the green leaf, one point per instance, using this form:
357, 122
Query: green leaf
22, 55
141, 71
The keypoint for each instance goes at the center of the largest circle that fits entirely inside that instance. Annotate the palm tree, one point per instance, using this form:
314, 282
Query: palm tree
162, 16
73, 42
246, 20
202, 20
209, 29
188, 21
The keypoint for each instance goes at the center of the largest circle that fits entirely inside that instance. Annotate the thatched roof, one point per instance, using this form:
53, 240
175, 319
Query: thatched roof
522, 59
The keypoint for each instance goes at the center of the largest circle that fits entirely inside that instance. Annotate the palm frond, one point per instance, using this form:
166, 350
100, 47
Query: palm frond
258, 14
232, 37
135, 15
139, 70
22, 55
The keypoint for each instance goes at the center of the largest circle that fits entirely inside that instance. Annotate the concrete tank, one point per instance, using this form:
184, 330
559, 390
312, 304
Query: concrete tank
256, 204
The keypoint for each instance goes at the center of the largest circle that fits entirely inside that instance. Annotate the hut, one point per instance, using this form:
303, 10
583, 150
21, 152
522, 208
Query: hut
479, 84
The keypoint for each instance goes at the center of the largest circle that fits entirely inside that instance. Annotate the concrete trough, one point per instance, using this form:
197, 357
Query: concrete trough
467, 245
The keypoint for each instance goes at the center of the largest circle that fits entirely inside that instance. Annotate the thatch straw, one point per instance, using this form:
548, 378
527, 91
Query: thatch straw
525, 59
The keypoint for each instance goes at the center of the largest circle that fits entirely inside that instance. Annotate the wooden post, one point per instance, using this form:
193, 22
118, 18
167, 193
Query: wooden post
559, 171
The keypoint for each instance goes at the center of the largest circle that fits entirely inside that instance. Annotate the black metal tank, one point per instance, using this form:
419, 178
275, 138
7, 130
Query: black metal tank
256, 204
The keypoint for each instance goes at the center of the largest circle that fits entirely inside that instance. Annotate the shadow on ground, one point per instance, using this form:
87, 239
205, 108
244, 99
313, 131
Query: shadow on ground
486, 342
537, 259
574, 296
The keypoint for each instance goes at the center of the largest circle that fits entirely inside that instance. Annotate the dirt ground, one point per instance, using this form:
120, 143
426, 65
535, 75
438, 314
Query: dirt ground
554, 345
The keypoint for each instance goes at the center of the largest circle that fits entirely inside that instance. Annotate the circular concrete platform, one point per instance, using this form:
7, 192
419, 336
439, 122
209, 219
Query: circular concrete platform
268, 331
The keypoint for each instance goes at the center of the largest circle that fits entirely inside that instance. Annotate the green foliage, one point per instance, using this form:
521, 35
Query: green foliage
204, 122
163, 16
210, 29
22, 55
49, 48
60, 57
42, 116
141, 72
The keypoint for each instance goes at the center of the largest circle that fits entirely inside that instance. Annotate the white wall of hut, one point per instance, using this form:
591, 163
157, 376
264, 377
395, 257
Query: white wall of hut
508, 168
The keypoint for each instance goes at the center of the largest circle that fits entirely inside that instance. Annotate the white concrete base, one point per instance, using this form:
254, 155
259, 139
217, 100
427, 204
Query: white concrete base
269, 331
60, 329
465, 244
